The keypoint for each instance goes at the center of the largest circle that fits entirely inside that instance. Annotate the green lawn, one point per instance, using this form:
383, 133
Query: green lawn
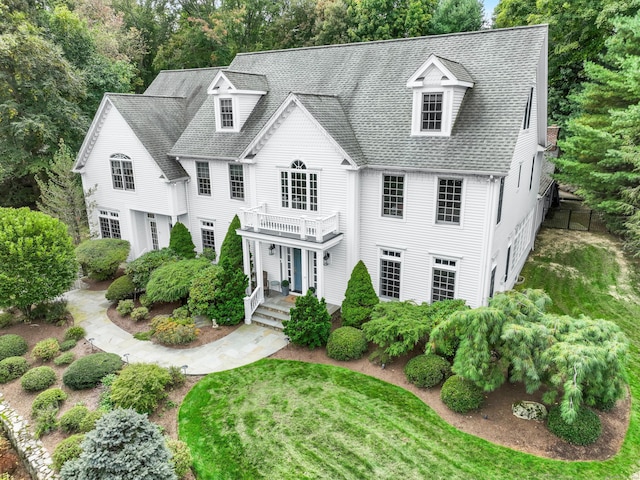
282, 419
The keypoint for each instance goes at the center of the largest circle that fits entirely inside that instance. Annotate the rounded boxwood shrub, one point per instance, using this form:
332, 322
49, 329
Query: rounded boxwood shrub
46, 349
38, 379
125, 307
140, 386
52, 397
6, 319
139, 314
66, 450
120, 289
67, 345
584, 430
427, 371
71, 420
346, 343
12, 345
64, 359
12, 368
181, 458
74, 333
86, 372
461, 395
100, 258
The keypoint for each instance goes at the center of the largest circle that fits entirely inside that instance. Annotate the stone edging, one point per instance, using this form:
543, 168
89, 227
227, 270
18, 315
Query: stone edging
35, 457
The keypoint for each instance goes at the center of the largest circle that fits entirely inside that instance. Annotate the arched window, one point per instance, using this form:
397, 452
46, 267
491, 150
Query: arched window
122, 172
299, 187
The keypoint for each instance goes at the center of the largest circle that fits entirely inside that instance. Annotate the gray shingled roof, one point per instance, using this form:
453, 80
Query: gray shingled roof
458, 70
247, 81
369, 80
546, 177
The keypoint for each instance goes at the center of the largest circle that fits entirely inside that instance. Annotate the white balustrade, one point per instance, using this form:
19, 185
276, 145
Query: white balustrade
257, 219
251, 303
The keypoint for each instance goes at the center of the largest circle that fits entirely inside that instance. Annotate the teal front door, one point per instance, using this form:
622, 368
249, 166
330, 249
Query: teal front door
297, 270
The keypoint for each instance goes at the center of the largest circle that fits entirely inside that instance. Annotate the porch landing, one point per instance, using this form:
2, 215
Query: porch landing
276, 308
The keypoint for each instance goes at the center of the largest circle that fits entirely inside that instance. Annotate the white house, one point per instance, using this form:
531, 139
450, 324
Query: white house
422, 157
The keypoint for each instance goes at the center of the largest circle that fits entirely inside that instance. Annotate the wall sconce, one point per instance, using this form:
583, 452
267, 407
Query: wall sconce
272, 249
326, 259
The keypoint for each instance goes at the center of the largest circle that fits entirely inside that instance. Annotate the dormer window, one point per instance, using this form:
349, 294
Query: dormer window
226, 113
237, 93
431, 112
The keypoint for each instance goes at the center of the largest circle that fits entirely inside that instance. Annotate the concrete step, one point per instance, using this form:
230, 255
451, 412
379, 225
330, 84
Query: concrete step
271, 313
267, 322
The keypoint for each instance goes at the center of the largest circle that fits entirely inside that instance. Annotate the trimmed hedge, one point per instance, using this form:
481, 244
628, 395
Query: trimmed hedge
71, 420
140, 386
120, 289
584, 430
101, 258
347, 343
461, 395
46, 349
52, 397
38, 379
427, 371
67, 449
65, 359
12, 345
12, 368
86, 372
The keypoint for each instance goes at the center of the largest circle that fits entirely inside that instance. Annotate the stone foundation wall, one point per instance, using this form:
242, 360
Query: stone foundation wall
35, 457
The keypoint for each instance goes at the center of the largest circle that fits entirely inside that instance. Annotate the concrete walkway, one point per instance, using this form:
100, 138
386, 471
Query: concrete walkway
245, 345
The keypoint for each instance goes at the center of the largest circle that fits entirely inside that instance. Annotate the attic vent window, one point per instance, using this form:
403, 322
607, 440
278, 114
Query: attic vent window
226, 113
432, 112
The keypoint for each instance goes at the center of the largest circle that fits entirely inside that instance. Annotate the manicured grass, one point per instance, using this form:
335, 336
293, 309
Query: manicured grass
281, 419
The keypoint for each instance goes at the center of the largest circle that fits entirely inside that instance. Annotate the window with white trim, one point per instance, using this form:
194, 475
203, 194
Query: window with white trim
299, 187
521, 238
443, 285
431, 113
109, 224
527, 111
236, 180
390, 269
226, 113
449, 200
207, 232
393, 196
122, 172
204, 178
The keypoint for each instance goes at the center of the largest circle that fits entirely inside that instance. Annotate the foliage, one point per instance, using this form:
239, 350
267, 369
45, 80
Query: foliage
86, 372
52, 397
203, 292
346, 343
124, 445
46, 349
74, 333
181, 458
125, 307
6, 319
140, 313
12, 368
144, 301
140, 386
38, 378
461, 395
36, 258
12, 345
453, 16
67, 449
359, 298
120, 289
51, 311
209, 254
88, 423
427, 371
231, 249
45, 421
171, 282
140, 269
180, 242
177, 377
584, 430
71, 420
173, 331
143, 336
65, 358
67, 345
310, 323
101, 258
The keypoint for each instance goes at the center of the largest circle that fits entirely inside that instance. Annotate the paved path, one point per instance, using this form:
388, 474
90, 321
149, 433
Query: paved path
245, 345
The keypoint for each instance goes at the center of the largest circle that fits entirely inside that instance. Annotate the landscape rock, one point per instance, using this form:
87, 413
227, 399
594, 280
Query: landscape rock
529, 410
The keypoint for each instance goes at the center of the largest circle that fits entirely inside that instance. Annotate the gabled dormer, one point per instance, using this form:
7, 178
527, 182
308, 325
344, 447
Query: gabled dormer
236, 95
439, 86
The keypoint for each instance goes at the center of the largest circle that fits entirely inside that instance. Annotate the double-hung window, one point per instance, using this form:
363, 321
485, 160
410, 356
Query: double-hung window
207, 232
449, 200
299, 187
226, 113
122, 172
204, 178
443, 285
393, 196
236, 180
431, 112
390, 269
109, 224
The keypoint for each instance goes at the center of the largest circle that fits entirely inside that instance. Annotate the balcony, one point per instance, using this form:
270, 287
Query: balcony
316, 229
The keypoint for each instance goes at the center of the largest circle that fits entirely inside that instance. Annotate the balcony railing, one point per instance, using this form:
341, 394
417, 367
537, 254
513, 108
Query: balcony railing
257, 219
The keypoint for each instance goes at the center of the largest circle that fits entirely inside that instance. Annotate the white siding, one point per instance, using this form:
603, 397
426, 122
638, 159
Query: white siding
246, 104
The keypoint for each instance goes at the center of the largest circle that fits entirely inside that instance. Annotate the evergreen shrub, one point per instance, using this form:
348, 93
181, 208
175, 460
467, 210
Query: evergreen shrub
180, 241
12, 345
38, 379
12, 368
139, 314
46, 349
74, 333
585, 429
346, 343
67, 449
88, 423
310, 322
66, 358
172, 282
144, 301
125, 307
181, 458
101, 258
52, 397
120, 289
359, 298
86, 372
461, 395
45, 421
140, 386
67, 345
71, 420
51, 311
427, 371
140, 269
6, 319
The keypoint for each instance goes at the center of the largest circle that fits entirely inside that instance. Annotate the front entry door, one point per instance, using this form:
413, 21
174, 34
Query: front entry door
297, 270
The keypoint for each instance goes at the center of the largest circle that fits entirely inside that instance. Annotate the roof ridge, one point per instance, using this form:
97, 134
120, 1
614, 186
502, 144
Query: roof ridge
243, 73
142, 95
195, 69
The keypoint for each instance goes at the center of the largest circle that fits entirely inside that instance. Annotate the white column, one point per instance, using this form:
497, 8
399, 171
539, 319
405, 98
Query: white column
257, 260
305, 270
320, 267
247, 263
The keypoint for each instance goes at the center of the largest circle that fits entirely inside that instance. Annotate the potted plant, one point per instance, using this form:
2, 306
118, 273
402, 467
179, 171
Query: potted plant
285, 287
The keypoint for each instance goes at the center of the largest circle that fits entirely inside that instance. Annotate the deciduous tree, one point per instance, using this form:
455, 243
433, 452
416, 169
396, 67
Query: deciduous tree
453, 16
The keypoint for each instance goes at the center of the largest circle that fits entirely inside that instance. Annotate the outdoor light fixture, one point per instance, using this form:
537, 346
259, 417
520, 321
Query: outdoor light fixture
90, 340
126, 358
184, 369
272, 249
326, 259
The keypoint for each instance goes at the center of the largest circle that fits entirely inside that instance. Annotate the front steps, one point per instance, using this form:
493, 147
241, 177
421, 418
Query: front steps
271, 315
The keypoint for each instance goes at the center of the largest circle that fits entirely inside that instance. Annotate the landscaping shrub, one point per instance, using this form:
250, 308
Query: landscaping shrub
359, 298
51, 311
177, 377
140, 269
12, 345
12, 368
74, 333
585, 429
209, 254
180, 241
143, 336
86, 372
180, 313
461, 395
46, 349
171, 331
88, 423
6, 319
66, 358
52, 397
125, 307
144, 301
203, 293
140, 386
140, 313
71, 420
67, 345
67, 449
310, 322
172, 282
101, 258
120, 289
346, 343
45, 420
104, 401
181, 458
38, 379
427, 371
